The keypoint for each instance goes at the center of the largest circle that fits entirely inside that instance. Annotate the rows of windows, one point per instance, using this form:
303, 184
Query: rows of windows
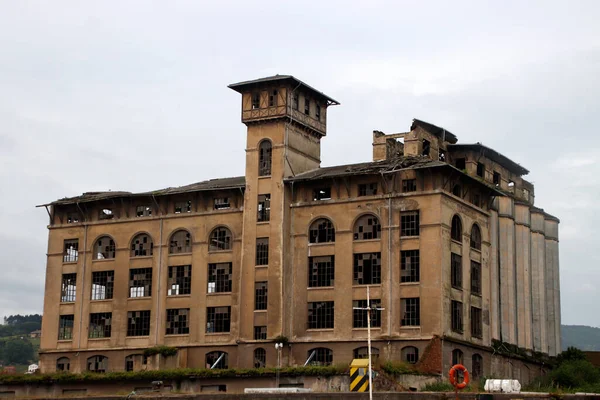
456, 319
456, 233
476, 362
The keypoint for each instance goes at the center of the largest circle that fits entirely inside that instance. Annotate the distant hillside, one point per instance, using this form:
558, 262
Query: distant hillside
584, 338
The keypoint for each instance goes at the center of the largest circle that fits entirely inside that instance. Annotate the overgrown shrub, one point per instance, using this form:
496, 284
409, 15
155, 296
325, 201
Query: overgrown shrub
165, 351
397, 368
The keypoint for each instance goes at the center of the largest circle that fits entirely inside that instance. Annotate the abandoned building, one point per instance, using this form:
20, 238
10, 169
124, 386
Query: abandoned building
462, 264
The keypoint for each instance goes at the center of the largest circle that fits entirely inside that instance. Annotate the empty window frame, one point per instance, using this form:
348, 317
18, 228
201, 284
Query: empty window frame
105, 213
322, 357
367, 189
273, 98
140, 282
409, 223
295, 101
260, 358
221, 203
71, 250
363, 352
260, 295
475, 237
476, 199
181, 242
182, 207
65, 327
219, 278
442, 155
104, 248
461, 163
321, 271
456, 271
409, 185
264, 208
480, 170
456, 316
321, 231
475, 278
98, 364
367, 227
178, 321
103, 285
255, 100
179, 281
217, 360
367, 269
476, 366
410, 354
497, 178
306, 106
457, 357
457, 190
143, 211
262, 251
141, 245
320, 315
218, 319
130, 361
409, 266
426, 147
265, 153
220, 239
63, 364
323, 193
68, 290
456, 229
410, 311
318, 111
72, 218
100, 325
359, 317
260, 333
476, 322
138, 323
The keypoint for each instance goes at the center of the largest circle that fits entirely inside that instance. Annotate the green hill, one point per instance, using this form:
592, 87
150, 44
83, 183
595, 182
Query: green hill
585, 338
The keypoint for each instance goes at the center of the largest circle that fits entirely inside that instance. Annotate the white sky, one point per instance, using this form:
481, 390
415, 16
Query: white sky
131, 95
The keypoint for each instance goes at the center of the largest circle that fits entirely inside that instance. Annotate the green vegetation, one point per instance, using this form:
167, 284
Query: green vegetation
583, 337
165, 351
16, 347
398, 368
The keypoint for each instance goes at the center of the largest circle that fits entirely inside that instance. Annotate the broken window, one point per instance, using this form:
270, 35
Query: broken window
140, 282
100, 325
71, 250
476, 322
480, 170
265, 152
461, 163
359, 317
322, 194
260, 295
456, 316
262, 251
410, 354
260, 333
457, 190
457, 357
511, 186
318, 111
442, 155
63, 364
363, 352
409, 223
306, 106
219, 278
409, 266
426, 147
476, 366
260, 358
179, 281
178, 321
104, 249
72, 218
322, 357
367, 227
222, 203
409, 185
273, 98
410, 311
217, 360
295, 101
141, 245
68, 288
105, 213
497, 178
264, 208
97, 364
320, 315
475, 278
181, 242
456, 271
255, 100
321, 271
526, 194
130, 361
321, 231
456, 229
138, 323
218, 319
476, 200
65, 327
183, 207
102, 285
220, 239
367, 189
143, 211
475, 237
367, 269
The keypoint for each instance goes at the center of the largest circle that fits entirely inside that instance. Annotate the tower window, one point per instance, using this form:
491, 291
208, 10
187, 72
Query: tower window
105, 213
409, 266
426, 147
143, 211
260, 358
102, 285
220, 239
480, 170
322, 194
218, 319
65, 327
264, 158
260, 295
140, 282
321, 271
321, 231
183, 207
222, 203
255, 100
409, 223
260, 333
367, 189
295, 101
367, 269
68, 288
318, 112
219, 278
141, 246
138, 323
476, 322
320, 315
456, 271
410, 309
442, 155
264, 208
456, 316
461, 163
367, 227
178, 321
475, 278
306, 106
409, 185
218, 360
100, 325
497, 178
262, 251
273, 98
179, 280
359, 317
71, 250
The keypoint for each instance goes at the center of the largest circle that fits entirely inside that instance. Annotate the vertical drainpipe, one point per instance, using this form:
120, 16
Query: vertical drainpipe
159, 275
390, 302
85, 227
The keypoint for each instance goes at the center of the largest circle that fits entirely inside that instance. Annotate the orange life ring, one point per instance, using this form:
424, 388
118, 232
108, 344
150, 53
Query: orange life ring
453, 371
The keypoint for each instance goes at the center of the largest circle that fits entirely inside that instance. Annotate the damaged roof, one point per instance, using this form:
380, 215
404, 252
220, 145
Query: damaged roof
434, 130
492, 155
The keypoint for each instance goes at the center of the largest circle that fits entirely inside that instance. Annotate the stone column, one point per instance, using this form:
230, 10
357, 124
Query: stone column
538, 262
523, 276
508, 306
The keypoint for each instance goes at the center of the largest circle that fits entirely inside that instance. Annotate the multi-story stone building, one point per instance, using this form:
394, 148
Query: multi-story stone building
446, 236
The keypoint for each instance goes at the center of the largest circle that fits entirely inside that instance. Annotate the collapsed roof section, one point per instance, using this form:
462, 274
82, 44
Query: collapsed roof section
492, 155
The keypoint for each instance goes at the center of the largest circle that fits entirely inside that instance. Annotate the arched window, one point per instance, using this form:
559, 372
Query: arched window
97, 364
476, 366
457, 191
260, 358
456, 232
475, 237
410, 354
141, 245
130, 361
367, 227
321, 231
220, 239
217, 360
63, 364
181, 242
264, 158
320, 356
104, 248
363, 352
457, 357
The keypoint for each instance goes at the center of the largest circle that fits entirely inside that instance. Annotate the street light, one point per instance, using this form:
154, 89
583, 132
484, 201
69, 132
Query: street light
278, 347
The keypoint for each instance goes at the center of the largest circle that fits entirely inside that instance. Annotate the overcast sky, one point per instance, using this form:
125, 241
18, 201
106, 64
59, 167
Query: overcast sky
131, 95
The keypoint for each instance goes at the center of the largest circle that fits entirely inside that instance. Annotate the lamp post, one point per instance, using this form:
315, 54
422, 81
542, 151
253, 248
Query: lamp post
278, 347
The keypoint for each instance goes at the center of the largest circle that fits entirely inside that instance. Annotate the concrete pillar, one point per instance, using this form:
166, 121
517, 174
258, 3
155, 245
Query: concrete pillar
538, 262
523, 276
494, 277
508, 304
552, 265
550, 294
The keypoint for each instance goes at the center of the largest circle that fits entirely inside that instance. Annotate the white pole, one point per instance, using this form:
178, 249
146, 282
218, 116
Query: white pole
369, 343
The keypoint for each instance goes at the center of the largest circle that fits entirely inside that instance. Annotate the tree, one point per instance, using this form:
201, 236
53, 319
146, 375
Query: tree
17, 351
570, 354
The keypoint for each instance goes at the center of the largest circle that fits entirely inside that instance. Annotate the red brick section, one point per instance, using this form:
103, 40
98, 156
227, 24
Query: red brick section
431, 360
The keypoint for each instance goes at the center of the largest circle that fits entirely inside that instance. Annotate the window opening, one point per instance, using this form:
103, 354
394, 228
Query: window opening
181, 242
218, 319
480, 170
130, 361
260, 358
68, 288
321, 231
456, 271
476, 237
511, 186
410, 311
475, 278
262, 251
100, 325
426, 147
295, 101
217, 360
105, 213
306, 106
476, 366
72, 218
71, 250
367, 269
409, 266
141, 245
97, 364
363, 352
103, 285
476, 200
264, 207
65, 327
322, 194
456, 316
322, 357
222, 203
456, 229
461, 163
457, 357
140, 282
273, 98
143, 211
138, 323
219, 278
409, 185
476, 322
183, 207
63, 364
321, 271
367, 189
367, 227
260, 295
104, 249
255, 100
318, 111
260, 333
359, 317
410, 354
442, 155
320, 315
409, 223
265, 154
179, 281
497, 178
220, 239
178, 321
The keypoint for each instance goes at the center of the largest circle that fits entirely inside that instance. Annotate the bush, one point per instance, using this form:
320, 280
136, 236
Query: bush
164, 351
570, 354
443, 386
575, 374
397, 368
